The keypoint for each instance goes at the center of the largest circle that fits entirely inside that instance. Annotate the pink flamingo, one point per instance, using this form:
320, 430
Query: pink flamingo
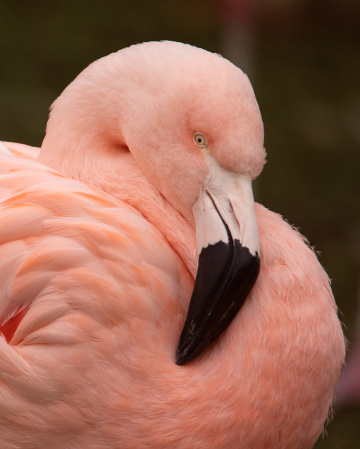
152, 151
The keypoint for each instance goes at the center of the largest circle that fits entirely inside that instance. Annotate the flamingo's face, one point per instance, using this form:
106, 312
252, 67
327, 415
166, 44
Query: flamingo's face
198, 137
178, 93
191, 121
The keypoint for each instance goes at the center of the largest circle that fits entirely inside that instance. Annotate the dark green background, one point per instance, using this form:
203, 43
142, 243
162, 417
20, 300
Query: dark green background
306, 77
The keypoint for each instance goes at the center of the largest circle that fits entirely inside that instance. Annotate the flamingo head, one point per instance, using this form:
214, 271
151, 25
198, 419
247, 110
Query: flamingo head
188, 121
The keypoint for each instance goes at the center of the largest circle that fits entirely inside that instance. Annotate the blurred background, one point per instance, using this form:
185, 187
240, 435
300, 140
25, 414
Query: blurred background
303, 59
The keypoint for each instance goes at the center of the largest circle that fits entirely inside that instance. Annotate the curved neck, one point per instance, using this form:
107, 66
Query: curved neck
89, 146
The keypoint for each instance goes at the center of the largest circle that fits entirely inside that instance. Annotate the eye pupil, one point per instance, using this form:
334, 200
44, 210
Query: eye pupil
199, 139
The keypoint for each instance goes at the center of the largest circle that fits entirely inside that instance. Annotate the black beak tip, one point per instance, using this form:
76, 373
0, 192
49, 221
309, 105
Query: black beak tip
181, 353
183, 357
189, 349
179, 360
217, 297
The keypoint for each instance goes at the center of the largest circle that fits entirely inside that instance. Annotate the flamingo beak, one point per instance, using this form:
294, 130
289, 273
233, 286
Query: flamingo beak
228, 252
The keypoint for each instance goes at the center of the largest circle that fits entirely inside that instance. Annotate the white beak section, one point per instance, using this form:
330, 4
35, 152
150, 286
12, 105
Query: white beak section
228, 197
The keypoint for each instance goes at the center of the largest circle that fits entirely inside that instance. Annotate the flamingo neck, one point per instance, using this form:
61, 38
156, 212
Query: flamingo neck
92, 155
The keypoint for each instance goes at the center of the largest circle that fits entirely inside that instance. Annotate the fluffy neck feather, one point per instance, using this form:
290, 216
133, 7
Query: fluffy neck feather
84, 141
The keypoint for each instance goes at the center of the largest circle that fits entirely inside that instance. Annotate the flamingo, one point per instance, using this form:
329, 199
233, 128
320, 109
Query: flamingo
146, 301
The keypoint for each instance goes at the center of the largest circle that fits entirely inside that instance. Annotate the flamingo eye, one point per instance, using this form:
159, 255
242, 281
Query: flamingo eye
200, 139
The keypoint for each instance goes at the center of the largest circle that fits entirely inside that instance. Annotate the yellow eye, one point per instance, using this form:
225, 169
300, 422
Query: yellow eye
200, 139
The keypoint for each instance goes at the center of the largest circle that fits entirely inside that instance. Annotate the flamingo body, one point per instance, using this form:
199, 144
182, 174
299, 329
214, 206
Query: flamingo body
100, 279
